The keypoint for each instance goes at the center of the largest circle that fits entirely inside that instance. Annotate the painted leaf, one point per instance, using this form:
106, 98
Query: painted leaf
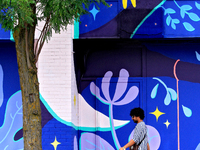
173, 25
173, 94
167, 99
186, 7
129, 97
96, 92
124, 2
170, 11
12, 123
154, 91
198, 147
187, 111
133, 3
121, 84
91, 141
75, 143
106, 84
175, 21
197, 55
168, 20
197, 5
194, 16
182, 12
1, 86
188, 26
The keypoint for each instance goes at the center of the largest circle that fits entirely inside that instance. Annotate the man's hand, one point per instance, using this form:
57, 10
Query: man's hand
130, 143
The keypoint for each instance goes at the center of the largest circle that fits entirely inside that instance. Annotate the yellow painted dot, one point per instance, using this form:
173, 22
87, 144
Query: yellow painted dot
74, 100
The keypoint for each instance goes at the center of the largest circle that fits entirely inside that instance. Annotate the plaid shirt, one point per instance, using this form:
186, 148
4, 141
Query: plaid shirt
139, 132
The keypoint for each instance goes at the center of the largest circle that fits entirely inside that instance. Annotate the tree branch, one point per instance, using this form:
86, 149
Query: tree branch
41, 39
27, 51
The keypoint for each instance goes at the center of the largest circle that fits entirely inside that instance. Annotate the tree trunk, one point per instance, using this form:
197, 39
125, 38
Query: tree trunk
32, 130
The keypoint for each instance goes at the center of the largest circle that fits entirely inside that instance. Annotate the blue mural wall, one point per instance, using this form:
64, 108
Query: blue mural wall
10, 99
56, 133
144, 68
141, 19
113, 78
4, 35
160, 76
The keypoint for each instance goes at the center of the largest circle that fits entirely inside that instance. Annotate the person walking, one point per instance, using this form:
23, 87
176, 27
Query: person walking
140, 137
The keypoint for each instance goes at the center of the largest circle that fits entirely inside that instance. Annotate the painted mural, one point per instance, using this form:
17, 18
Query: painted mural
10, 99
56, 133
160, 76
114, 76
141, 19
166, 87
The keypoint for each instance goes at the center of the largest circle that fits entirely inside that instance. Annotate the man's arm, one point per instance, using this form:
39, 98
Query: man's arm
130, 143
148, 147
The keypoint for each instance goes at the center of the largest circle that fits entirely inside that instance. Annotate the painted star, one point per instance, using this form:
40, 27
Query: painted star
157, 113
94, 12
167, 123
55, 144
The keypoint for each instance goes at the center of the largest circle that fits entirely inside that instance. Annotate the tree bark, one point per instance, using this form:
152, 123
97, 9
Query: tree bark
32, 130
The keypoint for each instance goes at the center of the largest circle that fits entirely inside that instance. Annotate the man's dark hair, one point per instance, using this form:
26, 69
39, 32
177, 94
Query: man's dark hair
138, 112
